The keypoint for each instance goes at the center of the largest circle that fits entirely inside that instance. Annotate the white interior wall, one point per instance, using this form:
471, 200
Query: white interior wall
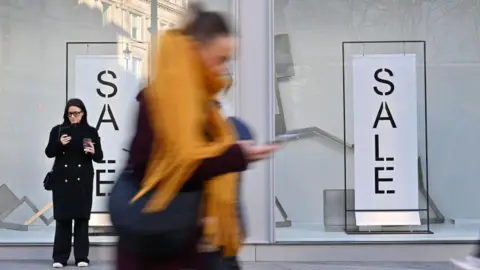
314, 96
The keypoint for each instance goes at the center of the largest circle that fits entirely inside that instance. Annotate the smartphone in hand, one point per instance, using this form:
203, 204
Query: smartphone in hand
64, 130
87, 142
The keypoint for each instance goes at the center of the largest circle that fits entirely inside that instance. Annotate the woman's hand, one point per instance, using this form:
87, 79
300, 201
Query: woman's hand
254, 152
65, 139
90, 148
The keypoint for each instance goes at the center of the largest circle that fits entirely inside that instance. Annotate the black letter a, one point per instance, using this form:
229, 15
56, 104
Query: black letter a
111, 120
388, 117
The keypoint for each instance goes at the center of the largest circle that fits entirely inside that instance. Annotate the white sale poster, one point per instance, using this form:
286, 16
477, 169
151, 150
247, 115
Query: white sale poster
385, 137
109, 91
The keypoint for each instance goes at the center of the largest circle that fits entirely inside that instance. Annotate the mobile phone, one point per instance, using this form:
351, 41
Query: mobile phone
86, 142
64, 130
284, 138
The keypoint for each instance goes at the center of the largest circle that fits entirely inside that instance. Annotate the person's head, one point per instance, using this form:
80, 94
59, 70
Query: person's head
75, 112
213, 35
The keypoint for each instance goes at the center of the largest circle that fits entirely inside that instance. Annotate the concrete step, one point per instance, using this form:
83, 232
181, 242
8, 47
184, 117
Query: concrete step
37, 265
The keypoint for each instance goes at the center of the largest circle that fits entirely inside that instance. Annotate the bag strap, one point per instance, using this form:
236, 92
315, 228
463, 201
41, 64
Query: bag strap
59, 130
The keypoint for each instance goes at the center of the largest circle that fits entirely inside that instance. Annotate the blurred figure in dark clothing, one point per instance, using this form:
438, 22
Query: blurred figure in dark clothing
183, 141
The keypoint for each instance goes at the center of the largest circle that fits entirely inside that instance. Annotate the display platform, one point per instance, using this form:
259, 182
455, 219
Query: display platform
43, 235
315, 232
298, 233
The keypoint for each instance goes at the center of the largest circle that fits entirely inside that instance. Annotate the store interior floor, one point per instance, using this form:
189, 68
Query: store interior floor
298, 233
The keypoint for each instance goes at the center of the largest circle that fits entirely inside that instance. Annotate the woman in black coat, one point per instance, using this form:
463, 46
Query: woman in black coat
74, 144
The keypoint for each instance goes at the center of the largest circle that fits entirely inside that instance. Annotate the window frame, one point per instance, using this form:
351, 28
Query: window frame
136, 21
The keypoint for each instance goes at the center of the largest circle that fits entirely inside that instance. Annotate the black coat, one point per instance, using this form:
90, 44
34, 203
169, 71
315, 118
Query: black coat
73, 171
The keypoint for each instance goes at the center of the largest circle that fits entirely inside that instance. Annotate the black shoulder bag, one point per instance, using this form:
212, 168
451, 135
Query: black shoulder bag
161, 235
48, 180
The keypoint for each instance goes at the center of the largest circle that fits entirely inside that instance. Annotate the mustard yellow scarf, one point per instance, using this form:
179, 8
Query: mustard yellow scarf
179, 109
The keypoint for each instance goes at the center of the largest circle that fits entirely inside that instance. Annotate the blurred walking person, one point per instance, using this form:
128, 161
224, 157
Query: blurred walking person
183, 146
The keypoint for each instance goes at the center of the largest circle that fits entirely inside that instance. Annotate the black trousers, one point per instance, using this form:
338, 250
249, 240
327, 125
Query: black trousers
215, 261
62, 245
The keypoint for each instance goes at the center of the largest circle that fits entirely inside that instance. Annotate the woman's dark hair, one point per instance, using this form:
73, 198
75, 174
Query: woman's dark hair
203, 25
79, 104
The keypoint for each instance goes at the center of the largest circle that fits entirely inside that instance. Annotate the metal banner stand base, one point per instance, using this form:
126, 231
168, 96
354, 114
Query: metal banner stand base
286, 222
101, 231
40, 214
13, 226
387, 232
100, 225
9, 202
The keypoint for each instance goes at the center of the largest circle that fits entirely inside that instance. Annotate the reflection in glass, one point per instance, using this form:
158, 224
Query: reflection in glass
33, 74
136, 22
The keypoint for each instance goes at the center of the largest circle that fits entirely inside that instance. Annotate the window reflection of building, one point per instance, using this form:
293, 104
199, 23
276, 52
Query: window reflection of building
163, 25
125, 19
134, 17
106, 12
171, 1
136, 67
136, 26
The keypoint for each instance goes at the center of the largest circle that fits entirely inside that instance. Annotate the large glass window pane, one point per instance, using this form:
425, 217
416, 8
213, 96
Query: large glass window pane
309, 174
37, 74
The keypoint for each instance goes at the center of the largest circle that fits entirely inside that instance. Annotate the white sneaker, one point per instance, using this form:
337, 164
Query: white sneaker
469, 263
57, 265
82, 264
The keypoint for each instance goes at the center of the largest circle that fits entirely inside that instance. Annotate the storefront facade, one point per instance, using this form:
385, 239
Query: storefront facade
289, 75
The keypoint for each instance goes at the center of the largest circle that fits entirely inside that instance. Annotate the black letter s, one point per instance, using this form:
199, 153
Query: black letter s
101, 81
380, 80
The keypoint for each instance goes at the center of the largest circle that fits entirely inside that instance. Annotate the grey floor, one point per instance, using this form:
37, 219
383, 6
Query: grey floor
40, 265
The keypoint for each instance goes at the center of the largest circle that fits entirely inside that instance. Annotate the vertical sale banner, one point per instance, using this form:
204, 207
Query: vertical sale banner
108, 90
386, 140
